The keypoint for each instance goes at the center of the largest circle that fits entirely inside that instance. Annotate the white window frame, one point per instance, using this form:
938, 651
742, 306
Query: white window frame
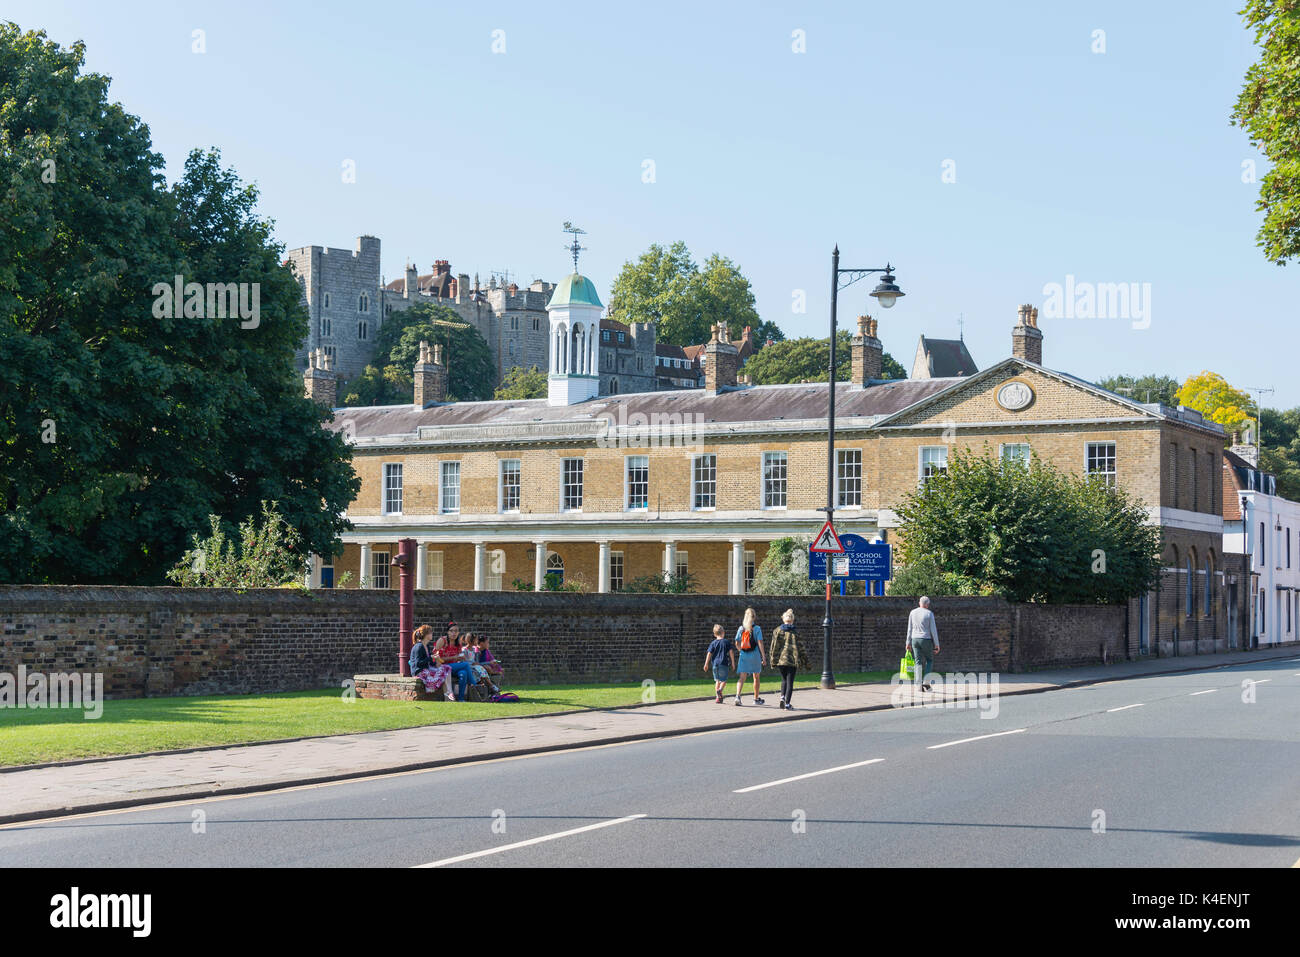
495, 572
387, 486
564, 483
449, 494
785, 480
841, 478
616, 581
681, 563
501, 485
1022, 459
921, 461
1112, 476
641, 462
712, 482
751, 569
433, 569
380, 567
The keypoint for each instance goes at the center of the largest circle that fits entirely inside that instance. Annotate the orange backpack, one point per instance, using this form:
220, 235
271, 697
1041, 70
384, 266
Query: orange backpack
746, 640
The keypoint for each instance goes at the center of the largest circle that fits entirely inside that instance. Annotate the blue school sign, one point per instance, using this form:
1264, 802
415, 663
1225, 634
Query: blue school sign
866, 562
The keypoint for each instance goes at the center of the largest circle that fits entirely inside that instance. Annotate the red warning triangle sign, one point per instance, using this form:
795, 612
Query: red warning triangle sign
827, 540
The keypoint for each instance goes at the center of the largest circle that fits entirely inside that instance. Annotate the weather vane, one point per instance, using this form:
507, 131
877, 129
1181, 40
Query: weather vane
574, 247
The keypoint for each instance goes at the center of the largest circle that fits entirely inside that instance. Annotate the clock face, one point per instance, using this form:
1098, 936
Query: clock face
1015, 396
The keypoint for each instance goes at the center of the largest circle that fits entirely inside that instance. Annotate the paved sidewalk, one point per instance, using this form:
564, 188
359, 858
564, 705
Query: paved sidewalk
53, 791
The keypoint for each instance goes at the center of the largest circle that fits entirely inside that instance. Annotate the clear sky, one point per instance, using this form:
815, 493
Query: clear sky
1115, 166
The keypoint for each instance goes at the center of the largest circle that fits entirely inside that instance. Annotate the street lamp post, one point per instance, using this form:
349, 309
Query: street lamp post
886, 293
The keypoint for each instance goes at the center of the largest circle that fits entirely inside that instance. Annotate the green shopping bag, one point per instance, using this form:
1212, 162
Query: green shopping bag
907, 667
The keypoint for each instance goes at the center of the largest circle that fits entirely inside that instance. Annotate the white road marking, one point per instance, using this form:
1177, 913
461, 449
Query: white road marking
1125, 708
536, 840
1209, 691
949, 744
1260, 681
810, 774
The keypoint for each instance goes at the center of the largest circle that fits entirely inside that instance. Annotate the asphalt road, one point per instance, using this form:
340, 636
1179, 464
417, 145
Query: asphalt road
1160, 771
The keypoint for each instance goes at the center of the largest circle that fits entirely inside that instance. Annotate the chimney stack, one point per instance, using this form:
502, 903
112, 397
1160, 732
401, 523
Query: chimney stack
319, 380
430, 376
867, 352
721, 361
1026, 339
411, 282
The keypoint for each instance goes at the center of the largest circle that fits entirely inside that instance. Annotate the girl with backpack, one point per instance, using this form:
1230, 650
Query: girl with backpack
749, 642
788, 656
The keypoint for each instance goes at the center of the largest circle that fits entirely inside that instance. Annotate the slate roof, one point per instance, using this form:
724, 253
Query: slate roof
948, 357
747, 404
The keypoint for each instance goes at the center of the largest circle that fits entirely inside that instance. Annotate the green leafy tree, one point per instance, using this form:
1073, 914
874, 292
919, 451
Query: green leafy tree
1029, 532
767, 329
1210, 394
521, 383
808, 360
125, 423
666, 287
672, 584
1268, 109
266, 554
471, 371
784, 570
1280, 449
1147, 388
923, 576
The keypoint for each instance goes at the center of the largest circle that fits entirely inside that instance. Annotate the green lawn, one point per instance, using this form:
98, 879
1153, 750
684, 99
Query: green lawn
136, 725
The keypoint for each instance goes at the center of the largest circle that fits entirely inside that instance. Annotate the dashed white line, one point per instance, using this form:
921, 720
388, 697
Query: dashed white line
1125, 707
949, 744
1207, 691
810, 774
536, 840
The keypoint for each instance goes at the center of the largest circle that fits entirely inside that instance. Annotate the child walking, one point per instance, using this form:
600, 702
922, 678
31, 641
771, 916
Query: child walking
721, 657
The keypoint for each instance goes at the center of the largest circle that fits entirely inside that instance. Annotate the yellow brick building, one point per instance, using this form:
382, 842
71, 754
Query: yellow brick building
606, 489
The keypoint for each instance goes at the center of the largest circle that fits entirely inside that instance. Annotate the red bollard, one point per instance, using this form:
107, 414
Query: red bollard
406, 603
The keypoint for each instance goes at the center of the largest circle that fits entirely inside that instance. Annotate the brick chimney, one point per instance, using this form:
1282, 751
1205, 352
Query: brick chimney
430, 376
319, 380
1026, 339
867, 352
721, 361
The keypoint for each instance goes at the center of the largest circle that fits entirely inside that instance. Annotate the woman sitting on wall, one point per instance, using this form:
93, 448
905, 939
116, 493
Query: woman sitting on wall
433, 674
449, 651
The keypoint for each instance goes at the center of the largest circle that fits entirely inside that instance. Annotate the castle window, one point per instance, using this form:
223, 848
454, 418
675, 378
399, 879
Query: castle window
639, 364
363, 304
326, 327
327, 300
537, 325
514, 323
329, 351
363, 330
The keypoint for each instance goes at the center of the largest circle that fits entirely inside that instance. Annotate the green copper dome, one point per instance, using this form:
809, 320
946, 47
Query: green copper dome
575, 290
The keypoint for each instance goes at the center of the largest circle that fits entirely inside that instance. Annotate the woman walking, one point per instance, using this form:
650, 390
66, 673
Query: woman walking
749, 641
788, 656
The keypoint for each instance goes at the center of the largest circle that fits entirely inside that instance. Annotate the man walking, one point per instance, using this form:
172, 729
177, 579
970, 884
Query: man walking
922, 640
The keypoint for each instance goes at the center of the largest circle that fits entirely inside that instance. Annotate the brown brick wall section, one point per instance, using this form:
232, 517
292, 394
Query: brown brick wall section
178, 641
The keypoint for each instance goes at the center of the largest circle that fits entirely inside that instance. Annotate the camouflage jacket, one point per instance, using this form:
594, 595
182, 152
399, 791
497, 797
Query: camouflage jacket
784, 649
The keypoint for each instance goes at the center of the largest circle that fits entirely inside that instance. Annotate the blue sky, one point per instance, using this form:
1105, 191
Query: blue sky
1109, 167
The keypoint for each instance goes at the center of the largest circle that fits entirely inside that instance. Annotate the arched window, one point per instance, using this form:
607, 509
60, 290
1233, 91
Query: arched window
613, 387
363, 303
554, 569
1191, 585
1207, 606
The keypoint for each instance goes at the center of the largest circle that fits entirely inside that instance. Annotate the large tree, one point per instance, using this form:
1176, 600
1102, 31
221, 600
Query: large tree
808, 360
1268, 109
1218, 401
471, 372
1144, 388
1280, 449
521, 383
666, 287
1028, 532
124, 423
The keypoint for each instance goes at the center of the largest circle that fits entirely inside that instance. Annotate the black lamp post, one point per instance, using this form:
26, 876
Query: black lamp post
886, 293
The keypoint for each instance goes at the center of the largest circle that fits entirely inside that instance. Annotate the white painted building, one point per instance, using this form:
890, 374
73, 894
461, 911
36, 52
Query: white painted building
1264, 529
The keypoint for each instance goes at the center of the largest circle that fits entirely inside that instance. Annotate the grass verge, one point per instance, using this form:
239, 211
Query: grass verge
138, 725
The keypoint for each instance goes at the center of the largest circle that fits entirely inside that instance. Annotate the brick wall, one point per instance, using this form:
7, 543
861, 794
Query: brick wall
178, 641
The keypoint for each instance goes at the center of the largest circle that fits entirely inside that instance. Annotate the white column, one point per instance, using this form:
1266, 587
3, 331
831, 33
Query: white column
737, 567
365, 565
420, 571
480, 562
670, 559
539, 566
603, 577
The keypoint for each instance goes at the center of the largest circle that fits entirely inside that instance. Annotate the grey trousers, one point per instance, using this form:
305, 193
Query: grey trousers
923, 652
